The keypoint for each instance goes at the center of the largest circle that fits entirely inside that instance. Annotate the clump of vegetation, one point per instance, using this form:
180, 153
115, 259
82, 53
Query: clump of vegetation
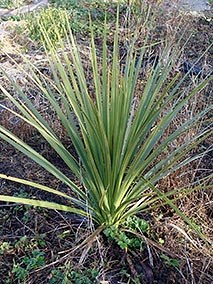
80, 11
28, 263
67, 275
118, 137
54, 17
22, 265
51, 19
11, 3
128, 239
170, 261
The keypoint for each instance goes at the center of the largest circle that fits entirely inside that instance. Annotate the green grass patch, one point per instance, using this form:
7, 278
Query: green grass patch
11, 3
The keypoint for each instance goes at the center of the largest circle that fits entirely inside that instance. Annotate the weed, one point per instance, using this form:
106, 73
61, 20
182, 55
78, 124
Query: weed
66, 275
170, 261
4, 247
127, 240
88, 278
27, 244
135, 224
28, 263
50, 18
11, 3
128, 276
55, 18
79, 12
161, 241
56, 276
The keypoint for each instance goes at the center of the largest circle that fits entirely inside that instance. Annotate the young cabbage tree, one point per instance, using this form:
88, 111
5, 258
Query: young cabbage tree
117, 133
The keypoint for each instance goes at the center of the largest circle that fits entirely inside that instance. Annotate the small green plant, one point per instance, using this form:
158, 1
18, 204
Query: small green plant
172, 262
88, 277
56, 276
66, 275
136, 224
129, 277
4, 247
27, 244
28, 263
127, 240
